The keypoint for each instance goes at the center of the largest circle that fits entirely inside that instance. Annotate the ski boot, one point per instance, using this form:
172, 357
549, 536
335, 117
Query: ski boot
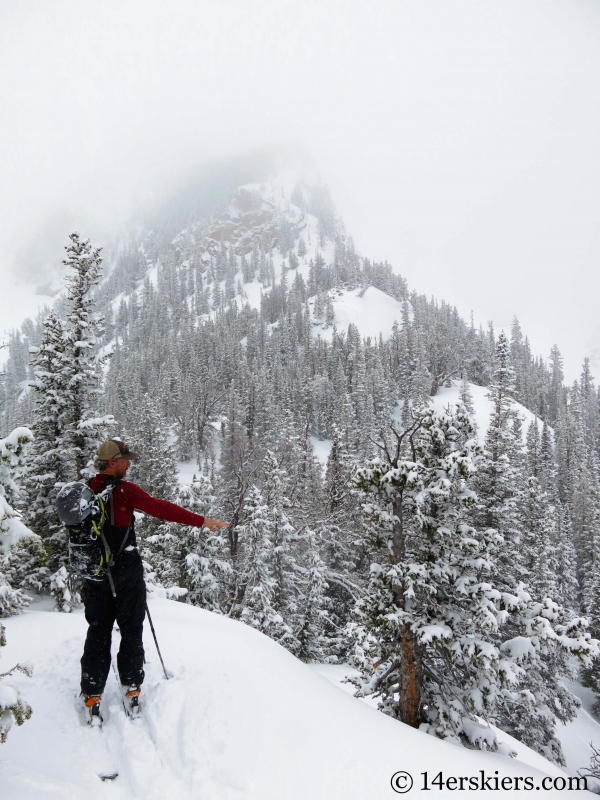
92, 706
132, 698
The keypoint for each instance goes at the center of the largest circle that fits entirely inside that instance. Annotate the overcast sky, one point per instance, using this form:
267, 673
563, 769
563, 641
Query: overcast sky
460, 140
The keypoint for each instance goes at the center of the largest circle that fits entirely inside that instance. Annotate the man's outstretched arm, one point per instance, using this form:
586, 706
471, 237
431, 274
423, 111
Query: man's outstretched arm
163, 509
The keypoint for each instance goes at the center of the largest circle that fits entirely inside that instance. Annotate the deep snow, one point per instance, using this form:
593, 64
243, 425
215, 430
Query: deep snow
372, 311
240, 718
483, 407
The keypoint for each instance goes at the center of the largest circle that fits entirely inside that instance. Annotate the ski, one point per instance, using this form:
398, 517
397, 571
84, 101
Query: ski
94, 723
122, 694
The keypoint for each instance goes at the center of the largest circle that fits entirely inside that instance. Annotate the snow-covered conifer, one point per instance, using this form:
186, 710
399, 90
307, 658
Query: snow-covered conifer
156, 473
257, 584
282, 536
85, 427
309, 620
15, 537
205, 569
427, 615
49, 464
466, 396
498, 477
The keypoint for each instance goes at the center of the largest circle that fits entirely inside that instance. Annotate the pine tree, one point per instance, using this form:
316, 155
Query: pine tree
538, 634
309, 620
68, 389
341, 543
15, 538
538, 520
156, 472
85, 429
205, 568
466, 397
426, 618
567, 587
283, 563
498, 476
257, 582
442, 636
49, 466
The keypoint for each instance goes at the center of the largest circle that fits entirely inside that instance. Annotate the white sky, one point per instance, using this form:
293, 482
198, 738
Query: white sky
460, 140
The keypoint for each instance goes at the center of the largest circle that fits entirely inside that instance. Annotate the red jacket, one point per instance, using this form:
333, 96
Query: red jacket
127, 498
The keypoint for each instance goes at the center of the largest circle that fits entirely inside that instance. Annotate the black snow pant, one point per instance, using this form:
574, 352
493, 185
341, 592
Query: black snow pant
128, 609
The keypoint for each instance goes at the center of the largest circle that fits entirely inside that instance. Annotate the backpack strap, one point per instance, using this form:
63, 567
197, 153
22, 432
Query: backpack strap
112, 518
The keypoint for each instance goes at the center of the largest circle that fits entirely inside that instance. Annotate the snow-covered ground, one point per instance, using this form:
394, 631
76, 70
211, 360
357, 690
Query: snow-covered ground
482, 406
371, 310
240, 718
575, 736
449, 396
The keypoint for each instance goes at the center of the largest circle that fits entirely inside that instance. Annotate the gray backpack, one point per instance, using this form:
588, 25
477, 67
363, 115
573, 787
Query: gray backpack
84, 515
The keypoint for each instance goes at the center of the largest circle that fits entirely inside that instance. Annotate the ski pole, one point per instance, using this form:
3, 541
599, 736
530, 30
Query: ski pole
156, 642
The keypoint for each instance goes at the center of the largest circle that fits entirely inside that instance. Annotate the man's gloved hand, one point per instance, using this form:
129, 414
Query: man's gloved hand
214, 524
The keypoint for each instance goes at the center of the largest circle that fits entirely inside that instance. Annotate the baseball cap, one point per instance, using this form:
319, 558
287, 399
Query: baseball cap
115, 448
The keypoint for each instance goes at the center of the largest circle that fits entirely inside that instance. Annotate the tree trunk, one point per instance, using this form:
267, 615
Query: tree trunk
410, 679
410, 653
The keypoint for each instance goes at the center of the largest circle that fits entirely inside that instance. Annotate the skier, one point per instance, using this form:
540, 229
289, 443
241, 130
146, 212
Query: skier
128, 608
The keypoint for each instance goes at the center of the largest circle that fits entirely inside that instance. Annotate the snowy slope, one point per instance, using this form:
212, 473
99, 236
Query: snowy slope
371, 310
240, 718
449, 396
483, 407
575, 736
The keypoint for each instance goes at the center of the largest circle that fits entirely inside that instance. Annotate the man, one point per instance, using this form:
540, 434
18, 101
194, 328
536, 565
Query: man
128, 608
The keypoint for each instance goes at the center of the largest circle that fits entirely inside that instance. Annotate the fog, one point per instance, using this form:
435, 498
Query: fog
459, 139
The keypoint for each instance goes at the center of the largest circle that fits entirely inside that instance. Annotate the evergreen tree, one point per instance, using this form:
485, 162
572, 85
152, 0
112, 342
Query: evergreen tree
49, 466
258, 584
282, 534
84, 429
425, 621
466, 397
498, 477
156, 472
205, 567
309, 619
16, 540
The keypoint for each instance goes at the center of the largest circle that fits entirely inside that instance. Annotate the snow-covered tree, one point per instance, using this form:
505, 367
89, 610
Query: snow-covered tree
282, 535
442, 637
85, 428
15, 538
205, 570
49, 462
309, 620
156, 473
498, 476
257, 582
466, 397
424, 623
